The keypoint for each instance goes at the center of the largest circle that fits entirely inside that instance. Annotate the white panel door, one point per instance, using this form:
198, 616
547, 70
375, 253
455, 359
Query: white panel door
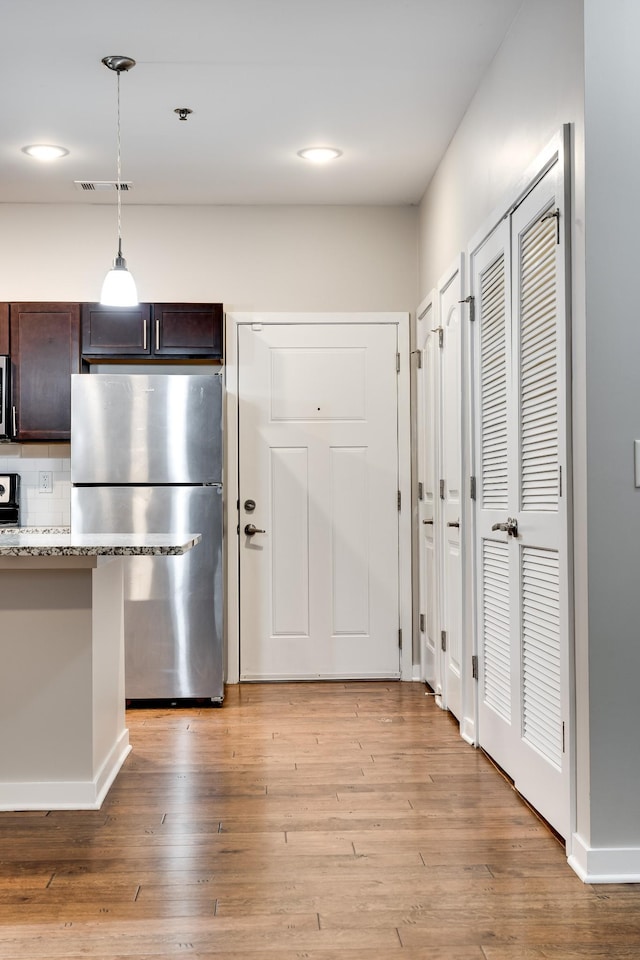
449, 297
318, 455
522, 558
428, 503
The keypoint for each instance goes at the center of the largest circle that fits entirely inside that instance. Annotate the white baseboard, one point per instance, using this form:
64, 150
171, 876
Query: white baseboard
67, 794
111, 766
604, 864
468, 731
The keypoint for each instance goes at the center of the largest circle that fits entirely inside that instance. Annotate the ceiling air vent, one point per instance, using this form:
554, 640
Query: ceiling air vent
99, 186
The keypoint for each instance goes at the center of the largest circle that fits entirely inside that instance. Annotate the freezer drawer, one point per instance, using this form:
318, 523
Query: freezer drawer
173, 605
146, 428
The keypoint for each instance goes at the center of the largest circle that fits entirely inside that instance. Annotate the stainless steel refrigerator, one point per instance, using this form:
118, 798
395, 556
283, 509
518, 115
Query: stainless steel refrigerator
146, 456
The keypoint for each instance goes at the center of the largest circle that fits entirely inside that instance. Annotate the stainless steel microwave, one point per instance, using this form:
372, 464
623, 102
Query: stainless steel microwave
5, 397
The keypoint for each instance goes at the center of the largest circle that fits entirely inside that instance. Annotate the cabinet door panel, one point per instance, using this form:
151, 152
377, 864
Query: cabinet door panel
4, 329
45, 351
187, 329
119, 331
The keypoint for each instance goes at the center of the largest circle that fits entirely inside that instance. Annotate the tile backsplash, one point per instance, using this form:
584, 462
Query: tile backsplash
40, 509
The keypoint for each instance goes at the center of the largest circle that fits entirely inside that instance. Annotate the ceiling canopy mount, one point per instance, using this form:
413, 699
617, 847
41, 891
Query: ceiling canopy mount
119, 63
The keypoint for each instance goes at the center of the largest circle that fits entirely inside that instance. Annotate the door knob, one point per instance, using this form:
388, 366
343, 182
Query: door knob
430, 522
510, 527
453, 523
251, 529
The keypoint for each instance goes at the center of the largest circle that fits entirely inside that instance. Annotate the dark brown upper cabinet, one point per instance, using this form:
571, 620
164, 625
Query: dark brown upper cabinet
116, 331
4, 329
169, 330
187, 329
44, 341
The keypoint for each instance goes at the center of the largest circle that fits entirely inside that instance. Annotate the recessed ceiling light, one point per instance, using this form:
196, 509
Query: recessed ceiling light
320, 154
45, 151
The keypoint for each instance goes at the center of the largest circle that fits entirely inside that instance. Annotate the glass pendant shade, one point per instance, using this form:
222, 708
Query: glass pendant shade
119, 287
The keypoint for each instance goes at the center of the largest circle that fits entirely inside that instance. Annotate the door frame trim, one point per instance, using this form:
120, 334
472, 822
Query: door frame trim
233, 321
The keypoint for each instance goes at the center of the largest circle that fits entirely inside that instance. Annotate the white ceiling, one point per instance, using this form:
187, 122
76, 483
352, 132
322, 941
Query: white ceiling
386, 81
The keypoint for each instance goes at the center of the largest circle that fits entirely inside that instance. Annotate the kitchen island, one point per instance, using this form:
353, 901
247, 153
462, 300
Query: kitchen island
63, 736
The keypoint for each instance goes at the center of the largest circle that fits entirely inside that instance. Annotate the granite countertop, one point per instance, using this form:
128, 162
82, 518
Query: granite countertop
60, 542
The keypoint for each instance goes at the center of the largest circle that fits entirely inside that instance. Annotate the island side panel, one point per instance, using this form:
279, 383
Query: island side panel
110, 734
61, 693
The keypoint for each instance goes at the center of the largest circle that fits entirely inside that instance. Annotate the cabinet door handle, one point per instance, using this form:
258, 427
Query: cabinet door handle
14, 421
144, 334
157, 336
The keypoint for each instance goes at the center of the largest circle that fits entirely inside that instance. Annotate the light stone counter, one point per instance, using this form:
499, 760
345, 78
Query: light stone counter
59, 542
63, 737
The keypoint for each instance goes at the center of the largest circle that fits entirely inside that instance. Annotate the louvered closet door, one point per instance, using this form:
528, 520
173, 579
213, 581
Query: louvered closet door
541, 601
522, 587
495, 438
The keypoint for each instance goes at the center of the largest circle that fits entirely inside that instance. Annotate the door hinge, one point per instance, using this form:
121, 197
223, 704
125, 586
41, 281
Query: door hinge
440, 332
418, 356
472, 488
400, 638
443, 640
471, 300
397, 363
442, 489
399, 500
559, 479
555, 214
422, 623
474, 666
420, 490
563, 736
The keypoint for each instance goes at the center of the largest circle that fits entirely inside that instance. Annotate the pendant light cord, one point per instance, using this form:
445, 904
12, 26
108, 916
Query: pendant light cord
119, 289
118, 167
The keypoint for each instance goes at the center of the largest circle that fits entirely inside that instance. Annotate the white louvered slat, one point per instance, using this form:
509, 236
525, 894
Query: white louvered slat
540, 631
538, 368
496, 637
493, 428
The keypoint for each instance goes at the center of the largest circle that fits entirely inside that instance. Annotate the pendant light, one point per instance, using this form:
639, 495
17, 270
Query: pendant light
119, 288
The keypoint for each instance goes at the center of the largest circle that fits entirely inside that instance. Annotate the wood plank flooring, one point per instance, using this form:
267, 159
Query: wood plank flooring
303, 822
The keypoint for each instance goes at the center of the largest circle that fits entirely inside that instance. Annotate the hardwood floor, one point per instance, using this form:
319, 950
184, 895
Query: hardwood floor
303, 822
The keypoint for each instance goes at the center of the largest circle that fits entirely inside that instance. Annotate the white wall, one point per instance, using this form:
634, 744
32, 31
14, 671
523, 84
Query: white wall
613, 419
249, 258
534, 86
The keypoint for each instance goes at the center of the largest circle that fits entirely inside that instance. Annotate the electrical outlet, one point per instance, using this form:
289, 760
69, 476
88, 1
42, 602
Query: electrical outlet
45, 481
